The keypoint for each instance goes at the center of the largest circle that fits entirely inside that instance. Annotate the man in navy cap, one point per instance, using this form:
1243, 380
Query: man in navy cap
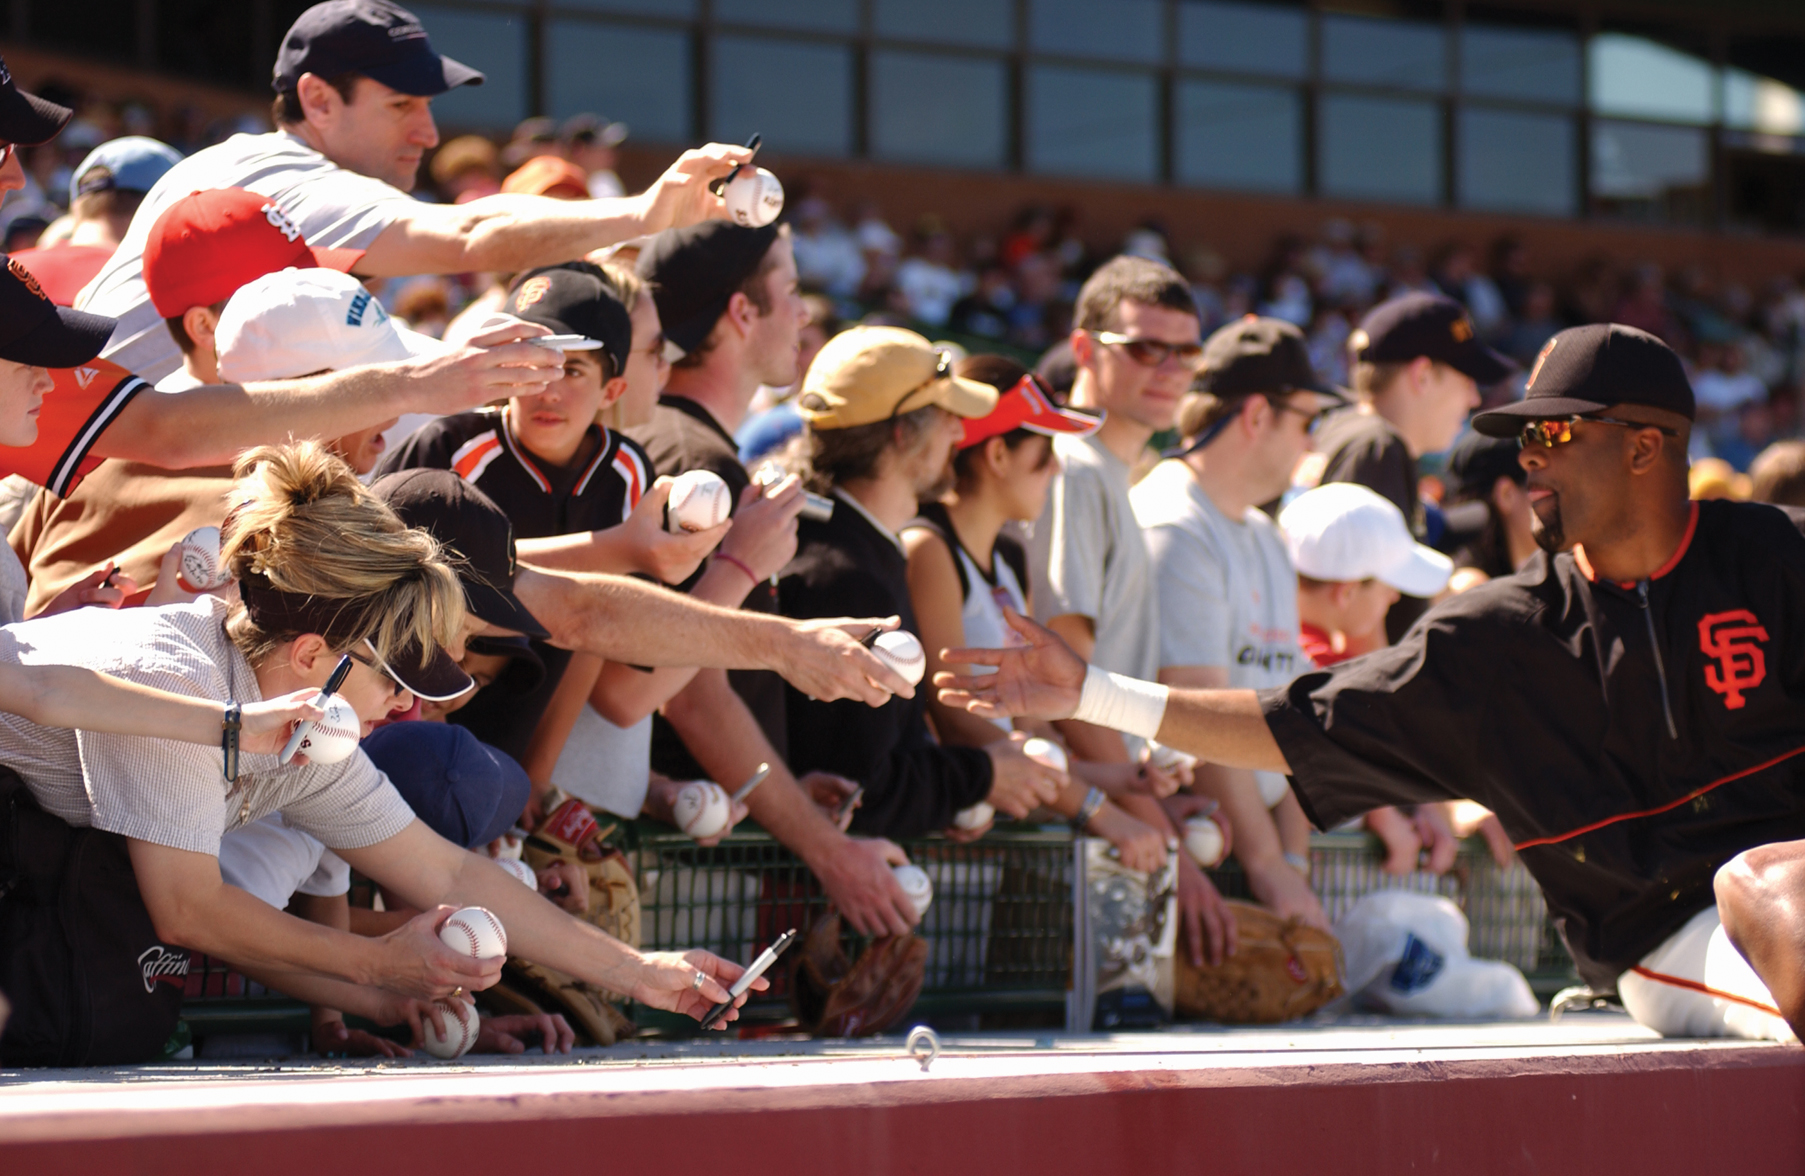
1628, 705
354, 82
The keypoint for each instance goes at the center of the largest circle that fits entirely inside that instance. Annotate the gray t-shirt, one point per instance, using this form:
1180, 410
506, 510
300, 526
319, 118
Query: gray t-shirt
1227, 590
164, 791
333, 208
605, 765
1088, 558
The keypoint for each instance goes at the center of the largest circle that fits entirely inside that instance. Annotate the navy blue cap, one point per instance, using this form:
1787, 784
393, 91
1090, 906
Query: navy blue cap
1416, 325
466, 791
27, 118
370, 37
36, 331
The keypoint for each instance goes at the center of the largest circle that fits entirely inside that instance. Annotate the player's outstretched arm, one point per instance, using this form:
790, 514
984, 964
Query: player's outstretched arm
1044, 679
69, 696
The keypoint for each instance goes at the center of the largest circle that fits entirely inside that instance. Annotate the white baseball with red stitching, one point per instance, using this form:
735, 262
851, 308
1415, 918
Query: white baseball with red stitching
475, 932
699, 500
335, 736
461, 1028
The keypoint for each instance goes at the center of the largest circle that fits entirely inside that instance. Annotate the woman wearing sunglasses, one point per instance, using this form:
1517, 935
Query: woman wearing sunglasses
964, 571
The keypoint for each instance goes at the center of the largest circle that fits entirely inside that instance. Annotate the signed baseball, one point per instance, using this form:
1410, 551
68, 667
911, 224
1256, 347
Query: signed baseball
475, 932
461, 1028
335, 735
699, 500
200, 562
1169, 759
975, 817
516, 868
901, 651
754, 197
702, 808
1046, 753
1203, 841
915, 884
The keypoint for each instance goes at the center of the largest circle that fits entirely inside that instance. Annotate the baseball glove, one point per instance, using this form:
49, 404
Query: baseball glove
527, 987
836, 997
1281, 969
571, 834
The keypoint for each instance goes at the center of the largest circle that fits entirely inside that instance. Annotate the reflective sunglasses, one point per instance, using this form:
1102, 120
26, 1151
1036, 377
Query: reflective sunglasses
1551, 431
1152, 352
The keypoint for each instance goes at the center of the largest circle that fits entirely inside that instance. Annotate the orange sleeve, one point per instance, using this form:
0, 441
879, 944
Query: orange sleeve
76, 412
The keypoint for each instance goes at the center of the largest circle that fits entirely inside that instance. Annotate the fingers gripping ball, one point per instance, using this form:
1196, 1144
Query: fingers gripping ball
702, 808
335, 736
1203, 841
1046, 753
754, 197
916, 884
516, 868
461, 1030
699, 500
201, 569
475, 932
901, 651
975, 817
1169, 759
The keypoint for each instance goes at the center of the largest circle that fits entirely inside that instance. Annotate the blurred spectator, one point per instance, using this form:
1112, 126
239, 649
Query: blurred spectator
1713, 478
1536, 325
1284, 291
1031, 233
1645, 305
467, 168
533, 136
828, 258
592, 143
24, 232
424, 305
1459, 276
107, 188
985, 312
548, 175
1485, 470
928, 279
1778, 475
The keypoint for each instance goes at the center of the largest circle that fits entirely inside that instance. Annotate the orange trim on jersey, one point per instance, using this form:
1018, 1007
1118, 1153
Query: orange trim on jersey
1706, 989
1585, 566
1654, 812
474, 456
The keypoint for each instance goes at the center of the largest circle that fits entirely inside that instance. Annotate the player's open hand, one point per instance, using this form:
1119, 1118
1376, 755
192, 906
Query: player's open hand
826, 661
493, 365
1042, 679
681, 196
667, 980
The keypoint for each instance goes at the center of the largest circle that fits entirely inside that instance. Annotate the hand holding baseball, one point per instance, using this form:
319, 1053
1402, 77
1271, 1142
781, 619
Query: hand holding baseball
1019, 783
669, 556
268, 724
681, 196
413, 961
827, 660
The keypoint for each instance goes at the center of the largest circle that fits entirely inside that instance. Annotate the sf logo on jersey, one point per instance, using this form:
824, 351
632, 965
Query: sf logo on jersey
1733, 640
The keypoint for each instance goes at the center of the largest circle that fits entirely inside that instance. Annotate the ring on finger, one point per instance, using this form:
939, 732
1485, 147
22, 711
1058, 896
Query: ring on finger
701, 977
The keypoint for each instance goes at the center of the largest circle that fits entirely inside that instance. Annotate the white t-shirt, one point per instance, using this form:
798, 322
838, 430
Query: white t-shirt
273, 861
163, 791
605, 765
333, 207
1723, 391
1227, 590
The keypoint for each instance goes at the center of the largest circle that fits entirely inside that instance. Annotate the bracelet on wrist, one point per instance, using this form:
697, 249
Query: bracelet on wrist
739, 563
1299, 862
229, 729
1093, 803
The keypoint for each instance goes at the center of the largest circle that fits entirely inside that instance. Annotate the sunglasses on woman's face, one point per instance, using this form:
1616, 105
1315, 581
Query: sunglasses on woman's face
396, 686
1552, 431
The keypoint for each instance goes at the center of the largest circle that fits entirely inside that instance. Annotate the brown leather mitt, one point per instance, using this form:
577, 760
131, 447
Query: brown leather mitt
1281, 969
534, 988
571, 834
836, 997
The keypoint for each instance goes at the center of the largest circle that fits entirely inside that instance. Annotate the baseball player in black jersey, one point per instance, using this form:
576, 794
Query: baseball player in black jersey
1629, 704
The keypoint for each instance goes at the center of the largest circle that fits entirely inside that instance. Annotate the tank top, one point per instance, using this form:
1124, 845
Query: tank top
986, 594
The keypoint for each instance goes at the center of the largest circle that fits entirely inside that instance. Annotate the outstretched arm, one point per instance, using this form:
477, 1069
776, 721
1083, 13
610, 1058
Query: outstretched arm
69, 696
1044, 679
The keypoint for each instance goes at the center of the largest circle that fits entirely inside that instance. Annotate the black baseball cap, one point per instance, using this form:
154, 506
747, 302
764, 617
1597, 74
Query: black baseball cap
27, 118
1588, 369
1417, 325
525, 669
695, 270
576, 299
36, 331
468, 522
370, 37
1257, 355
1477, 462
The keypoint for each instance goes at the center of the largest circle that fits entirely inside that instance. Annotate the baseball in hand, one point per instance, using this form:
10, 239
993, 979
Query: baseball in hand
901, 651
915, 883
516, 868
335, 735
1046, 753
475, 932
200, 562
702, 808
461, 1029
1168, 759
975, 817
699, 500
754, 197
1203, 841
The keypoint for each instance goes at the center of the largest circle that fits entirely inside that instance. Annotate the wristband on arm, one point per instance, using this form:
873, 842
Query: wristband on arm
1122, 703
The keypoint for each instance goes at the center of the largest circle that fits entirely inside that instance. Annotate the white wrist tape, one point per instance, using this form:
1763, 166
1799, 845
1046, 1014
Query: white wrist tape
1122, 703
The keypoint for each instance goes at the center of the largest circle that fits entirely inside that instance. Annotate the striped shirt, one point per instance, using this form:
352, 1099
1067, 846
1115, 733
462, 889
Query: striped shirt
163, 791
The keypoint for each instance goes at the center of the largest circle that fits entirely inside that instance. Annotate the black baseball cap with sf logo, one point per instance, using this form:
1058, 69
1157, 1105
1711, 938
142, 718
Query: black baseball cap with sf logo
370, 37
36, 331
1426, 325
1590, 369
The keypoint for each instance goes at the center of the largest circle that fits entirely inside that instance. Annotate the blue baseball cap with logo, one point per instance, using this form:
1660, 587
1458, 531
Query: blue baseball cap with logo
466, 791
369, 37
133, 163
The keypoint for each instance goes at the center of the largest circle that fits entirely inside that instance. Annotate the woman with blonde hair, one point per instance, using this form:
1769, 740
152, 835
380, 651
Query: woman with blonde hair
325, 571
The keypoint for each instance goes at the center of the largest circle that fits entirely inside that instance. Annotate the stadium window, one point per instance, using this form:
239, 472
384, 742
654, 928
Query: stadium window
673, 8
1120, 30
797, 95
1642, 78
1514, 161
1648, 172
1372, 148
491, 42
945, 111
1410, 55
828, 16
1083, 122
1235, 135
1532, 65
640, 76
989, 24
1244, 38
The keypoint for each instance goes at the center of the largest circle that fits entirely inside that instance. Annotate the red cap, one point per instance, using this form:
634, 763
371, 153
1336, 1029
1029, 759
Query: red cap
207, 244
548, 175
1026, 406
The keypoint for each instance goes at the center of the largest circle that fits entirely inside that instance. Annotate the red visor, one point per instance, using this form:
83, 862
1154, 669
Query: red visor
1027, 406
208, 244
